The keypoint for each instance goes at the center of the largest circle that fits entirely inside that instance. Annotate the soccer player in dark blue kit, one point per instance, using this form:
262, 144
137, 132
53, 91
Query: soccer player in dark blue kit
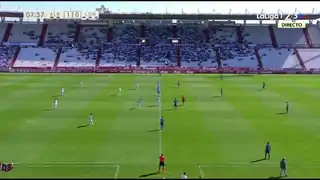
263, 85
175, 103
283, 167
221, 92
161, 123
267, 151
178, 83
287, 107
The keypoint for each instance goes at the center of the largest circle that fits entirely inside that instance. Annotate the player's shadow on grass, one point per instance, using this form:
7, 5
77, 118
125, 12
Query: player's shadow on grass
281, 113
238, 75
56, 96
152, 106
147, 175
47, 109
276, 177
216, 97
83, 126
154, 130
258, 160
131, 109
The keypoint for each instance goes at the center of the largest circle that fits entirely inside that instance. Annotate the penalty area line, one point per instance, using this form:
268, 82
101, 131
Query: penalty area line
72, 165
258, 165
68, 164
117, 172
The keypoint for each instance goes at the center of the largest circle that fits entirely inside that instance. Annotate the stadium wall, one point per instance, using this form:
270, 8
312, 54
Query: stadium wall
162, 70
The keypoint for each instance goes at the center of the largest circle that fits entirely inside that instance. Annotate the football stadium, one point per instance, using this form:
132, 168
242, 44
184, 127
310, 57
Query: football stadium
105, 94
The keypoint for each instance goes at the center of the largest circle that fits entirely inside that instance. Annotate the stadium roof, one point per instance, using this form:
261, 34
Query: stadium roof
236, 7
199, 7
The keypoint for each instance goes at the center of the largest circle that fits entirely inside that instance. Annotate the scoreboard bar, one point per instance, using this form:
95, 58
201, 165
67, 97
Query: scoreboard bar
61, 15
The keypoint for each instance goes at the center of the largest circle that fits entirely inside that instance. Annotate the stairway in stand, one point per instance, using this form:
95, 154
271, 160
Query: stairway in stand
219, 60
77, 33
141, 35
273, 36
139, 57
260, 64
110, 34
307, 36
44, 30
7, 32
178, 52
299, 58
239, 34
56, 60
15, 57
98, 57
206, 32
142, 31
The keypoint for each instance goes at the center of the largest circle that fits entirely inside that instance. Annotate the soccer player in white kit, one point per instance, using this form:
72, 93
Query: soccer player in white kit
55, 103
139, 102
137, 84
62, 91
120, 90
90, 119
81, 82
159, 100
184, 176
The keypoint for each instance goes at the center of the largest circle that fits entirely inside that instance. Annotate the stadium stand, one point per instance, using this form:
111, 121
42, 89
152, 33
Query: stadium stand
251, 36
60, 34
314, 32
118, 55
25, 33
127, 34
278, 58
289, 36
191, 45
33, 56
6, 55
93, 36
3, 28
311, 58
78, 57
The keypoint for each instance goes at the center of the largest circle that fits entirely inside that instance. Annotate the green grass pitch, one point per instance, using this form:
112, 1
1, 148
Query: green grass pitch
209, 136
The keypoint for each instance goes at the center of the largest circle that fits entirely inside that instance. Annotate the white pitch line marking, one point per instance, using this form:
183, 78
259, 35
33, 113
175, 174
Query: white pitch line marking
72, 165
117, 172
160, 114
68, 163
269, 164
201, 171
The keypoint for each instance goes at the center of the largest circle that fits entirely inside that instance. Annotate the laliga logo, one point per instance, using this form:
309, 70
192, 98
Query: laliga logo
269, 16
